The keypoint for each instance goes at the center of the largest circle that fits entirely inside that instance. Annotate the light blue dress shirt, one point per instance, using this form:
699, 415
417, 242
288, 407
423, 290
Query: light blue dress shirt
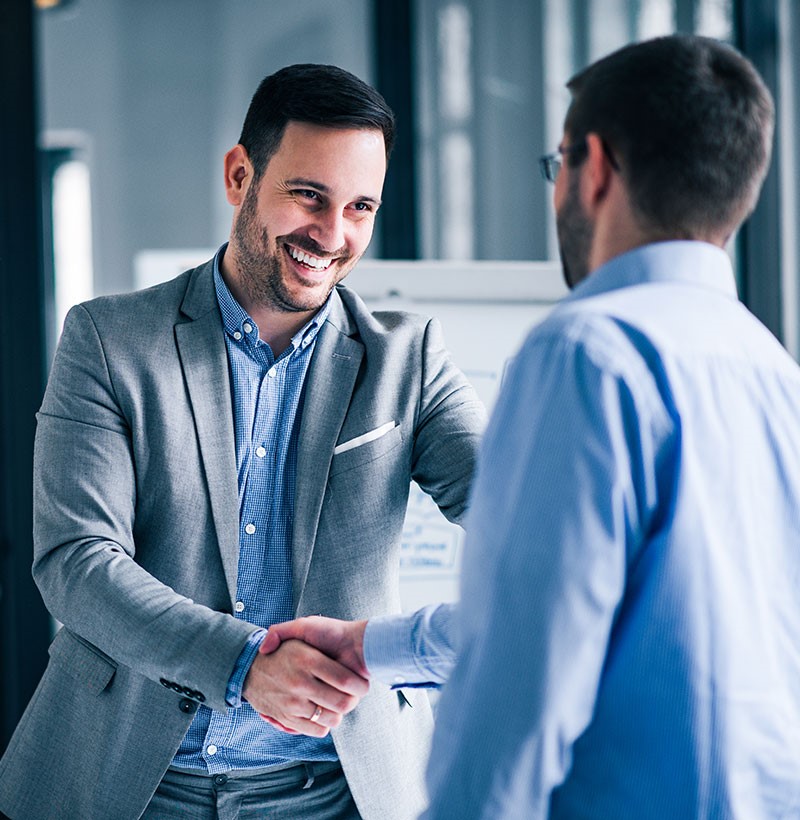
631, 648
413, 650
267, 407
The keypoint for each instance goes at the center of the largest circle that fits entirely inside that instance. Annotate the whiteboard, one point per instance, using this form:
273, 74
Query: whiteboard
486, 310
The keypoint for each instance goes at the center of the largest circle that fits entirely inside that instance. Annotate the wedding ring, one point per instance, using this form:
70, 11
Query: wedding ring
317, 712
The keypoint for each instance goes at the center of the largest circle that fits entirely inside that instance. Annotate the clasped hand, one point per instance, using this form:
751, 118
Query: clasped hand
308, 674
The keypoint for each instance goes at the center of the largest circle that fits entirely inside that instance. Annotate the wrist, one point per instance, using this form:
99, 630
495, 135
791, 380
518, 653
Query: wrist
237, 685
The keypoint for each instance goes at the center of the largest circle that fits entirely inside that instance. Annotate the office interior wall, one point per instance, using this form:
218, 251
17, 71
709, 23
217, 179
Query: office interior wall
156, 93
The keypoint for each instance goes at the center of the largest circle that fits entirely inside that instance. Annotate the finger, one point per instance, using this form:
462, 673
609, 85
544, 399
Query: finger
327, 683
322, 680
340, 677
272, 640
278, 633
303, 726
324, 717
278, 725
329, 698
282, 684
298, 726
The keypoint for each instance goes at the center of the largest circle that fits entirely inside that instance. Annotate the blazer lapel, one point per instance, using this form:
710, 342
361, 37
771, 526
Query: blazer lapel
329, 385
201, 347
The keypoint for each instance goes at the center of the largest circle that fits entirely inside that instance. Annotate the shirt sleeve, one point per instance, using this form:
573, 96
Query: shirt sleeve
416, 650
563, 490
233, 694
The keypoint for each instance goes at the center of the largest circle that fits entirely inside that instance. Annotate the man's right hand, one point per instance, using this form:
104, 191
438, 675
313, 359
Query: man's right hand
342, 640
287, 685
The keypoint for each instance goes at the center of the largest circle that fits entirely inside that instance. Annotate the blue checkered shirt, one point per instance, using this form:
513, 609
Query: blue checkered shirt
267, 402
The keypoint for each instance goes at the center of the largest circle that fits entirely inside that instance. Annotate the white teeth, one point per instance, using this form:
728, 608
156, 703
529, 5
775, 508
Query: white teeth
311, 261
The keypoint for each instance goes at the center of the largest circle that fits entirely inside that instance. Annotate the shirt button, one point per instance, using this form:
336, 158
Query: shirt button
272, 373
399, 679
261, 452
211, 750
250, 529
239, 606
247, 327
237, 335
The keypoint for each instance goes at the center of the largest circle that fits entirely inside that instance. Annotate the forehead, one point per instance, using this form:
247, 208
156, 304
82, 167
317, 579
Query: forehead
334, 155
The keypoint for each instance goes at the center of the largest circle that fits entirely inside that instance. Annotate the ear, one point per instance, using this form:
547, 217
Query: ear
238, 174
599, 172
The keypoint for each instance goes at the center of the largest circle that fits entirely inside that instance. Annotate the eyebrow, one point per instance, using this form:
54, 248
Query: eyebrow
320, 186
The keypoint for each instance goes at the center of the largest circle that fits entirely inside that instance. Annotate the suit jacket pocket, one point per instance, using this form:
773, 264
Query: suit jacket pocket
81, 661
366, 453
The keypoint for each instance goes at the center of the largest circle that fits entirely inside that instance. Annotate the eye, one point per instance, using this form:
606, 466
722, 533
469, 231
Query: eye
363, 207
306, 193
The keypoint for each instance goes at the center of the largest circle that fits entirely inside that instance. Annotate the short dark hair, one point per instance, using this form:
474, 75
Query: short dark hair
318, 94
689, 120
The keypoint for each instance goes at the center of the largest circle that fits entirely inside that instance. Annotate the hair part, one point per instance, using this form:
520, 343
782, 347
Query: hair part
690, 122
317, 94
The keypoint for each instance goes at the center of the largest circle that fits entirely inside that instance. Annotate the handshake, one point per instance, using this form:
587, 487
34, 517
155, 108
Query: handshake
308, 674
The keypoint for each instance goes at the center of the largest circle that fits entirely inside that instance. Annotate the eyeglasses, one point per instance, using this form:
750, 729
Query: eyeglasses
550, 164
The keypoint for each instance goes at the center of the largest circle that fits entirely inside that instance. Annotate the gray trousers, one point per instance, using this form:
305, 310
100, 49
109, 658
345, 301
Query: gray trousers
311, 791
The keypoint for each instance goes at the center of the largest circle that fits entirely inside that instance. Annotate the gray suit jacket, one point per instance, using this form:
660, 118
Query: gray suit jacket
136, 537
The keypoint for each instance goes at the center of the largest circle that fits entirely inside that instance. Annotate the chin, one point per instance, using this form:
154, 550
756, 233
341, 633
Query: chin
306, 299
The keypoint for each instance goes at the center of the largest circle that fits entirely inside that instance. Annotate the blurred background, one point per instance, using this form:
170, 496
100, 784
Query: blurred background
115, 116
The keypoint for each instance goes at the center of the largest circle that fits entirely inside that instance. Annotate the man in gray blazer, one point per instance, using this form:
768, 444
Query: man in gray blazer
227, 451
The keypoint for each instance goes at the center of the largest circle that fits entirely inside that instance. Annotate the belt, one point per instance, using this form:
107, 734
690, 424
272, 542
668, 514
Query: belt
301, 773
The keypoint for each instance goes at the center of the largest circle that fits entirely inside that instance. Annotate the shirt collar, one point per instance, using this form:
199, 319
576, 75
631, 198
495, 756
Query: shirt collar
678, 262
235, 317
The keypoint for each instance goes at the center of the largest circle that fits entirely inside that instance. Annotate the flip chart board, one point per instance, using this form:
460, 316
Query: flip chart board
486, 310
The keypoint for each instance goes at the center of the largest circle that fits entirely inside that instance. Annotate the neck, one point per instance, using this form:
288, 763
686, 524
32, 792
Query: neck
618, 230
276, 327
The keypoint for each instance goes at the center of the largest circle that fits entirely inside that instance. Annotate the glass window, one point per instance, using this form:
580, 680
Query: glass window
491, 87
72, 236
67, 235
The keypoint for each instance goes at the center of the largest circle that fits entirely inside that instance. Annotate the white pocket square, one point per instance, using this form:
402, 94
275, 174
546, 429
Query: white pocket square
364, 438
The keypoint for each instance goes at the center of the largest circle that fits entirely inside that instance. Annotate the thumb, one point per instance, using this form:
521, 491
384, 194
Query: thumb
271, 642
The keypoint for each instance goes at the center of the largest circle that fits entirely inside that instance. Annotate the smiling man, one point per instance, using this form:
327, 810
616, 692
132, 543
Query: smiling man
224, 452
302, 223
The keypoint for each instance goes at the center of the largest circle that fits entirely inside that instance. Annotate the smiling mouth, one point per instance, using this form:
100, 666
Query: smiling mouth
307, 260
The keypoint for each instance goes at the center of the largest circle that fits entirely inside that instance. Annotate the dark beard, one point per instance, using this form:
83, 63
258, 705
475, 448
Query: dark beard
260, 267
575, 235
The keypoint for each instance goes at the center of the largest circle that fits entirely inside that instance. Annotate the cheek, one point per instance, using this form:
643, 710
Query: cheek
559, 190
361, 235
279, 222
282, 216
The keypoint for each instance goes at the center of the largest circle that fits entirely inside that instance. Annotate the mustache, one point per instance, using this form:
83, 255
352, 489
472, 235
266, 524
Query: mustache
309, 245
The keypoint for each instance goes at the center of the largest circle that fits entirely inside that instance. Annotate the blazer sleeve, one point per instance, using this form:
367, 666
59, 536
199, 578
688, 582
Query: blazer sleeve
84, 545
450, 422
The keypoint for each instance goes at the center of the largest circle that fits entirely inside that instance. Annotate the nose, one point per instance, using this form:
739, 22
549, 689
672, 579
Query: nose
328, 229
